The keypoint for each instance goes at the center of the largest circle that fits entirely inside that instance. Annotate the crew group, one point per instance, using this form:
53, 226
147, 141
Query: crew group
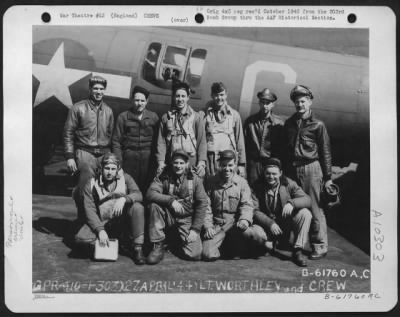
217, 188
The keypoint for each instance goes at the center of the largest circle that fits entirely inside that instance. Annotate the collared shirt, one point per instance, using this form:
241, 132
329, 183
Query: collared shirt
95, 107
272, 196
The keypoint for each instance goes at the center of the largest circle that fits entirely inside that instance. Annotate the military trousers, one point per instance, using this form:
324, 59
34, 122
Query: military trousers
311, 181
228, 238
162, 221
298, 223
129, 225
137, 164
255, 171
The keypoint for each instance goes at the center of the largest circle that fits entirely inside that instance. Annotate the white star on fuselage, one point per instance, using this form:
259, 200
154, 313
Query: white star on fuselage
55, 79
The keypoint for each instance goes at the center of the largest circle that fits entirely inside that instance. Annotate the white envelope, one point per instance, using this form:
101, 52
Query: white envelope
106, 253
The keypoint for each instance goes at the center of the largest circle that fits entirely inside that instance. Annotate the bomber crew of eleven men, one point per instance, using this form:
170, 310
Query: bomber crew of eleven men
199, 182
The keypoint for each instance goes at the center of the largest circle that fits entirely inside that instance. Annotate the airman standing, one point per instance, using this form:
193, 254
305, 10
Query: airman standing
263, 134
224, 130
87, 135
310, 161
182, 128
134, 138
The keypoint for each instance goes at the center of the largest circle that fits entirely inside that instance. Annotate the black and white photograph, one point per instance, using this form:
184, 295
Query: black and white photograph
202, 156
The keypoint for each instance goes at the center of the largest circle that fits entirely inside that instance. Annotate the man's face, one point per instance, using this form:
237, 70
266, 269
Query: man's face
272, 175
227, 168
220, 98
139, 102
96, 92
302, 104
179, 166
181, 98
109, 172
265, 105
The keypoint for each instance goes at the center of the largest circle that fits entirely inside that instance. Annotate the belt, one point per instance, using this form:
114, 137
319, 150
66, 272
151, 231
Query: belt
302, 163
97, 151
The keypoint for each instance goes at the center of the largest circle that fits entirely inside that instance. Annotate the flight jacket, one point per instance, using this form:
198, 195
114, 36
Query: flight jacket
289, 192
308, 141
195, 203
86, 128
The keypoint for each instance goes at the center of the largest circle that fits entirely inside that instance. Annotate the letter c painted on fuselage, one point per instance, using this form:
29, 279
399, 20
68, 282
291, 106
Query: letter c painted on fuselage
249, 81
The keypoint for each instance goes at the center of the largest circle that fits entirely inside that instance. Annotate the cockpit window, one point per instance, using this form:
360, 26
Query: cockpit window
196, 66
150, 62
165, 63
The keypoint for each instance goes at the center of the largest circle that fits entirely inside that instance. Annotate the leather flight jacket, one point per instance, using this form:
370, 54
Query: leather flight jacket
308, 142
88, 129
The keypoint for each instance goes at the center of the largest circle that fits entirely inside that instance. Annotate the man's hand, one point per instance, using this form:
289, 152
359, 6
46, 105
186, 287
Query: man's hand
328, 183
201, 169
287, 210
119, 206
161, 166
71, 165
103, 238
242, 224
177, 207
192, 236
210, 233
275, 230
242, 171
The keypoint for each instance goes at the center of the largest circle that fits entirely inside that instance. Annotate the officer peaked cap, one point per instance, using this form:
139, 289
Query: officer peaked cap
300, 91
267, 94
141, 90
97, 80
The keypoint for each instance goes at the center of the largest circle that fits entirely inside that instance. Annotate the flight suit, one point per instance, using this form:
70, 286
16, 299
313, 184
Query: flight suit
134, 142
264, 139
230, 202
98, 205
181, 131
189, 191
224, 131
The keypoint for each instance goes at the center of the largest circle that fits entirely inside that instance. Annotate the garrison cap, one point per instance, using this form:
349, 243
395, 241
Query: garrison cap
267, 94
180, 153
181, 85
227, 155
110, 158
97, 80
216, 88
272, 161
300, 91
141, 90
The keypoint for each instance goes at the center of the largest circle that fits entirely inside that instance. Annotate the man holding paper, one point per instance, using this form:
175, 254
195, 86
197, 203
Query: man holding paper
112, 206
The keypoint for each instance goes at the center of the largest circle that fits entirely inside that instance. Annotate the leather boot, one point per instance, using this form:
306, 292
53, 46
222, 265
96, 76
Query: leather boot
156, 254
137, 255
298, 258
